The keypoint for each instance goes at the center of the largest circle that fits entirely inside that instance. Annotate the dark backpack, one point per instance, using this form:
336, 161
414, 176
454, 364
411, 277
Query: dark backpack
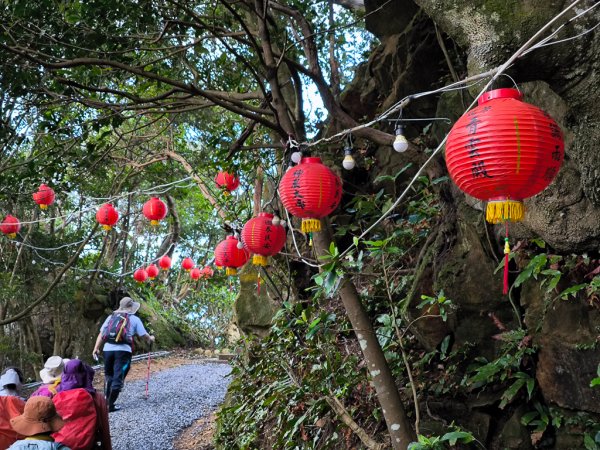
117, 330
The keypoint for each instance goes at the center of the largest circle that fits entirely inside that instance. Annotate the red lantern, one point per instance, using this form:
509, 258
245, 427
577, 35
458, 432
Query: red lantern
227, 181
107, 216
152, 271
154, 210
228, 255
10, 226
140, 275
187, 264
44, 196
195, 273
504, 151
262, 238
164, 262
207, 272
311, 191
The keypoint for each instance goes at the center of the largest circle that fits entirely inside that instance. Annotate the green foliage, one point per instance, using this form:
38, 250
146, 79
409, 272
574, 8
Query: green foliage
506, 369
446, 441
277, 396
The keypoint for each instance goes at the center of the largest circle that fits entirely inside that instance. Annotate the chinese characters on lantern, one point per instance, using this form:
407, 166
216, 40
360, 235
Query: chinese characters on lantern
477, 167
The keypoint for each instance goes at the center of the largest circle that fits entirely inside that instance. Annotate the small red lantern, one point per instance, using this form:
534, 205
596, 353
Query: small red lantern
152, 271
187, 264
195, 273
228, 255
164, 262
140, 275
502, 152
155, 210
44, 196
263, 238
227, 181
10, 226
107, 216
207, 272
311, 191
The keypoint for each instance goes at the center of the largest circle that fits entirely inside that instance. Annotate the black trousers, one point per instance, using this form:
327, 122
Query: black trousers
116, 367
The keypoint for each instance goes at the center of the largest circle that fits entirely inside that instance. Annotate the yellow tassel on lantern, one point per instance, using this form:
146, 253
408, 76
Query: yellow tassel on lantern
259, 260
310, 225
154, 223
44, 206
12, 235
230, 271
504, 210
107, 227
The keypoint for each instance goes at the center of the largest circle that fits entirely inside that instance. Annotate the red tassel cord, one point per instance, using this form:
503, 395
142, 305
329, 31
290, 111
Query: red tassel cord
506, 257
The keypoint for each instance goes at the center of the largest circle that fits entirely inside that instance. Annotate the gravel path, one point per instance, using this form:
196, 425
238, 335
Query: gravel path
177, 397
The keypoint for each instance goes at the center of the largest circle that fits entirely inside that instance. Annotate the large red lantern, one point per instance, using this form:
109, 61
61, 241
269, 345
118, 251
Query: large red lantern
10, 226
263, 238
107, 216
195, 273
207, 272
187, 264
502, 152
227, 181
155, 210
152, 271
228, 255
44, 196
164, 262
311, 191
140, 275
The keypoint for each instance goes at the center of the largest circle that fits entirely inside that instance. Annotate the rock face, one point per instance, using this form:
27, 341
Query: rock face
463, 254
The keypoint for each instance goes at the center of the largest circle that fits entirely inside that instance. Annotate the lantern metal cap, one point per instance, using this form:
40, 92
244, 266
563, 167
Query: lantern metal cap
310, 160
500, 93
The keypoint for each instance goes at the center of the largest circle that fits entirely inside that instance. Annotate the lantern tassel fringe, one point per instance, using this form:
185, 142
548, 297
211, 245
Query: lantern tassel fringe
44, 206
230, 271
504, 210
259, 260
154, 223
310, 225
106, 227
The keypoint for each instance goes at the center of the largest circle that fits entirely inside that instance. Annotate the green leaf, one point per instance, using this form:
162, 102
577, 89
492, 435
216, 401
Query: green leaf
511, 392
355, 240
589, 442
455, 436
571, 290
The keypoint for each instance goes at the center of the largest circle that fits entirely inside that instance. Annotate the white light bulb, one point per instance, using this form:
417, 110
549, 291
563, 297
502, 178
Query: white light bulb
275, 220
283, 223
348, 163
296, 157
240, 245
400, 143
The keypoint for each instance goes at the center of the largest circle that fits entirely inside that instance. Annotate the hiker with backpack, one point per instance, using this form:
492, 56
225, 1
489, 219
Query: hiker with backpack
82, 408
51, 376
37, 423
117, 334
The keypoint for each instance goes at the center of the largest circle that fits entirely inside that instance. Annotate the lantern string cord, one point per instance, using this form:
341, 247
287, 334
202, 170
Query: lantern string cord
289, 222
463, 84
546, 41
150, 191
499, 71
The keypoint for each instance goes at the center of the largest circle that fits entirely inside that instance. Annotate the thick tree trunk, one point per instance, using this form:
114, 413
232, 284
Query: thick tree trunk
401, 433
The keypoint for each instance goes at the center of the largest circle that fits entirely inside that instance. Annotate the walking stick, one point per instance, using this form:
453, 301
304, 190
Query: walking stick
148, 371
